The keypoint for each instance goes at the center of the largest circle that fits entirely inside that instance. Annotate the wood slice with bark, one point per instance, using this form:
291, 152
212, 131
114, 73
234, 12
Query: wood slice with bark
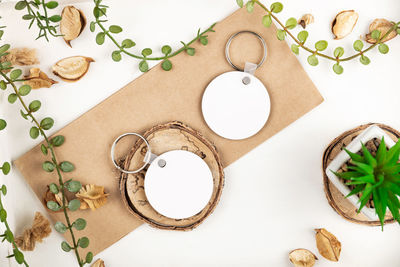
164, 138
336, 199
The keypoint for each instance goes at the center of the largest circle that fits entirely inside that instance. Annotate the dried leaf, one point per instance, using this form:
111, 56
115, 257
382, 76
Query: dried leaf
38, 79
302, 258
328, 245
73, 21
40, 229
98, 263
383, 26
71, 69
344, 23
306, 20
92, 196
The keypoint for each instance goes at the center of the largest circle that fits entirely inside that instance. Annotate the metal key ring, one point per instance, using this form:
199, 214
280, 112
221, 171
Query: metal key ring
147, 157
228, 44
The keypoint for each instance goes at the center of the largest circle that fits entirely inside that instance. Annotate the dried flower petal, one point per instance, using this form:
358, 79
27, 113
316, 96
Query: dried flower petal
38, 79
306, 20
98, 263
383, 26
344, 23
302, 258
71, 69
328, 245
93, 196
73, 21
40, 229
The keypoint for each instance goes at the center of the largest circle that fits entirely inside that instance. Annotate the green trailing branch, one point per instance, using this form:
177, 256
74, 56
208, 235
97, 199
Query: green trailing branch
9, 80
100, 11
300, 40
37, 13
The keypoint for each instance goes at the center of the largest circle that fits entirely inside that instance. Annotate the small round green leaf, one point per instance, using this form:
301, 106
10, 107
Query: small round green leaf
338, 69
5, 168
4, 48
15, 74
143, 66
321, 45
43, 148
3, 124
60, 227
383, 48
166, 65
250, 6
190, 51
74, 186
339, 51
100, 38
376, 34
34, 132
83, 242
166, 49
3, 85
276, 7
34, 106
20, 5
302, 36
312, 60
291, 23
67, 166
398, 31
358, 45
23, 115
9, 236
3, 215
24, 90
19, 257
128, 43
267, 21
147, 52
365, 60
295, 49
240, 3
3, 189
65, 246
47, 123
12, 98
204, 40
115, 29
74, 204
48, 166
92, 26
79, 224
52, 205
281, 34
52, 4
57, 140
54, 188
116, 56
27, 17
55, 18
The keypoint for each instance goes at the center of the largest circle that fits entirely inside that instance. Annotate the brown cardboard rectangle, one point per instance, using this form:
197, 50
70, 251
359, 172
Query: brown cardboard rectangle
160, 96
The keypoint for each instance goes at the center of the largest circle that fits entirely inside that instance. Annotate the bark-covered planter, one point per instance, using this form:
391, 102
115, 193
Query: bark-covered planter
336, 159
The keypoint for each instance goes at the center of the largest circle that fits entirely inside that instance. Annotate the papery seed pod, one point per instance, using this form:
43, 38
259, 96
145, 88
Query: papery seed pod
73, 21
328, 245
344, 23
71, 69
306, 20
383, 26
302, 258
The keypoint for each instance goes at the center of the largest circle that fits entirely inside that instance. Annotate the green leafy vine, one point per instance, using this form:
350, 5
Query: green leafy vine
39, 128
100, 11
321, 45
37, 12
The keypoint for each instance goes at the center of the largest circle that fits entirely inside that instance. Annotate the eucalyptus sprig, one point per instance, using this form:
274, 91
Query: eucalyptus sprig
321, 45
100, 11
37, 12
39, 128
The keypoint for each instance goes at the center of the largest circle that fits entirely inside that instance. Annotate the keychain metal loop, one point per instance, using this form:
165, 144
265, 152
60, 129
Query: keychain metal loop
228, 44
147, 157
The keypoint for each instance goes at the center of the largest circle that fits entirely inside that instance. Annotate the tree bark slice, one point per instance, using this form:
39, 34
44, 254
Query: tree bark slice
336, 199
164, 138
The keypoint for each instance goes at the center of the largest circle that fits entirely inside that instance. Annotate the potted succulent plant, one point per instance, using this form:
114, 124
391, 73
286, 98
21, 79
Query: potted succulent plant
367, 172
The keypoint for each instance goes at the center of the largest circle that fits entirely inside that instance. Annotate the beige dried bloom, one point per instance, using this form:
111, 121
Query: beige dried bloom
92, 196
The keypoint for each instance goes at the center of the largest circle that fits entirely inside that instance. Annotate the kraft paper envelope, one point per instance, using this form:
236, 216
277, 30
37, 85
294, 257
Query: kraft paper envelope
160, 96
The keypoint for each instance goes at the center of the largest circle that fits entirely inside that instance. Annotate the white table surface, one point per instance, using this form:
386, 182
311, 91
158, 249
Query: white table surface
273, 198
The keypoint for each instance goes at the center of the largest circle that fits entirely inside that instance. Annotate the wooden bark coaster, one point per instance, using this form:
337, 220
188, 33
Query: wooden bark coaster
164, 138
336, 199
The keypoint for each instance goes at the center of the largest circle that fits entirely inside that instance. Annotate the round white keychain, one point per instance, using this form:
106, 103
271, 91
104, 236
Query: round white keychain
236, 105
178, 184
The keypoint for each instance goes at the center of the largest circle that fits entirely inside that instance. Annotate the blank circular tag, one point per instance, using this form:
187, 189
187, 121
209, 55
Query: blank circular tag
236, 105
178, 184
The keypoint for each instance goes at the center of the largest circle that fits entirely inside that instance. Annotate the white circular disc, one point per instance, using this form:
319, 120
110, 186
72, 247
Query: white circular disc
234, 110
181, 188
